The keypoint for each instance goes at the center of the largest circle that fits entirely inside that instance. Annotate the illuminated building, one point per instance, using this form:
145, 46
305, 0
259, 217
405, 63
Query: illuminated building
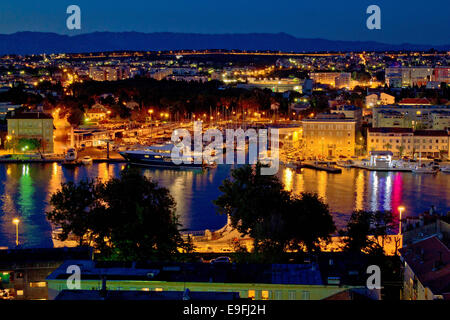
329, 78
343, 80
32, 125
411, 116
279, 85
329, 137
406, 142
23, 271
6, 107
374, 99
95, 113
253, 281
442, 74
408, 76
109, 73
350, 112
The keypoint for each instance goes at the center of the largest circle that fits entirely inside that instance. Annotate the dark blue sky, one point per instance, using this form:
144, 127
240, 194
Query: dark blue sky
414, 21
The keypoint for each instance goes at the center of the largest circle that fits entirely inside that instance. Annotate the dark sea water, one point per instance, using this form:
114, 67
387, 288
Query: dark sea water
25, 190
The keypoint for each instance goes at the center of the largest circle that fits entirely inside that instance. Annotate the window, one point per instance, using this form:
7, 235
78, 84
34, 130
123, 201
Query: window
265, 295
41, 284
145, 289
305, 295
20, 292
292, 295
278, 295
159, 289
251, 294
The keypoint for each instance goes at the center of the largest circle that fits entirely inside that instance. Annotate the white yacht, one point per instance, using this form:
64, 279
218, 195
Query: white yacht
87, 160
159, 156
445, 169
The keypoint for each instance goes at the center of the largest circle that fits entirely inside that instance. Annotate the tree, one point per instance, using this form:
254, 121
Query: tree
75, 117
363, 224
73, 210
274, 218
25, 144
126, 218
142, 221
400, 149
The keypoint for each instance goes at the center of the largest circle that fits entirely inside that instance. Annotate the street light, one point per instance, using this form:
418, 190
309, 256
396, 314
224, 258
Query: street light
400, 210
16, 222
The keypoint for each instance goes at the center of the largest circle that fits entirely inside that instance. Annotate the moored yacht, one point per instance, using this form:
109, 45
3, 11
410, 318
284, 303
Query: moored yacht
70, 158
423, 169
160, 156
445, 169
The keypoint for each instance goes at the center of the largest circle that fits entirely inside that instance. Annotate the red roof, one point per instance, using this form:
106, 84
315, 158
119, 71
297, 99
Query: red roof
429, 259
419, 101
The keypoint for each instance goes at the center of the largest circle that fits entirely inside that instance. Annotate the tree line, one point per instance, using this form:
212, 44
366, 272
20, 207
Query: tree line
132, 218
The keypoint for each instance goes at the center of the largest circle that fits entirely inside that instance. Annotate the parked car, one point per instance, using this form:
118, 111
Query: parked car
221, 260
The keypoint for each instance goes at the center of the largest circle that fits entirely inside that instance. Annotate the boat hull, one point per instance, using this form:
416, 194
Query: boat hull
166, 162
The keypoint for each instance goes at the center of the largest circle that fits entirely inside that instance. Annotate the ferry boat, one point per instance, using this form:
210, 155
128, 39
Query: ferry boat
159, 156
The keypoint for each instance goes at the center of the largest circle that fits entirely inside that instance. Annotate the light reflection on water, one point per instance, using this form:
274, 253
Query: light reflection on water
25, 190
357, 189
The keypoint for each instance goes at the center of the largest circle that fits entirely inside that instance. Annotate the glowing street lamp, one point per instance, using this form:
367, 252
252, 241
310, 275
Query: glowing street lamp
400, 210
16, 222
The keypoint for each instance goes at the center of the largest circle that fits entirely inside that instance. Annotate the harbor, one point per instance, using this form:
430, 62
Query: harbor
27, 187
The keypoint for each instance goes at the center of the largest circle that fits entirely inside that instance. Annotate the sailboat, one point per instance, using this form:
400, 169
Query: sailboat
422, 169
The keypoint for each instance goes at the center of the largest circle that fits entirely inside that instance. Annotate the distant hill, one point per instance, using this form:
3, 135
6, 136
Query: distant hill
40, 42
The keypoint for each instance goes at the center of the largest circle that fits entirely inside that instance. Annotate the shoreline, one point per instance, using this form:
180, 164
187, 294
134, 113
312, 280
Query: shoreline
24, 161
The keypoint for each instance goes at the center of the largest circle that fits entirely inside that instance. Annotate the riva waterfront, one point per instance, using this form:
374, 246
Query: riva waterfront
26, 189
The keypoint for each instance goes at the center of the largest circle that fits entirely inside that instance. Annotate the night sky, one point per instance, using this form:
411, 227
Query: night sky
414, 21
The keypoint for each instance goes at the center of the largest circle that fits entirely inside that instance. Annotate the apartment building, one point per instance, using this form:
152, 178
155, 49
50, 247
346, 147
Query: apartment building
411, 116
410, 143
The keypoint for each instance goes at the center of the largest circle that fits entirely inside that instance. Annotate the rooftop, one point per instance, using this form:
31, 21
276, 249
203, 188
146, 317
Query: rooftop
306, 274
143, 295
429, 259
28, 115
415, 101
390, 130
431, 133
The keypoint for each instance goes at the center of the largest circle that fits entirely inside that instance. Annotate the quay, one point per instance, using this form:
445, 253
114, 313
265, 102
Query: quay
61, 160
322, 166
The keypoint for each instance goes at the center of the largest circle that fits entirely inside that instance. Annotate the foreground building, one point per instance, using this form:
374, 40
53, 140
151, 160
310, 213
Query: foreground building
23, 272
426, 273
253, 281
